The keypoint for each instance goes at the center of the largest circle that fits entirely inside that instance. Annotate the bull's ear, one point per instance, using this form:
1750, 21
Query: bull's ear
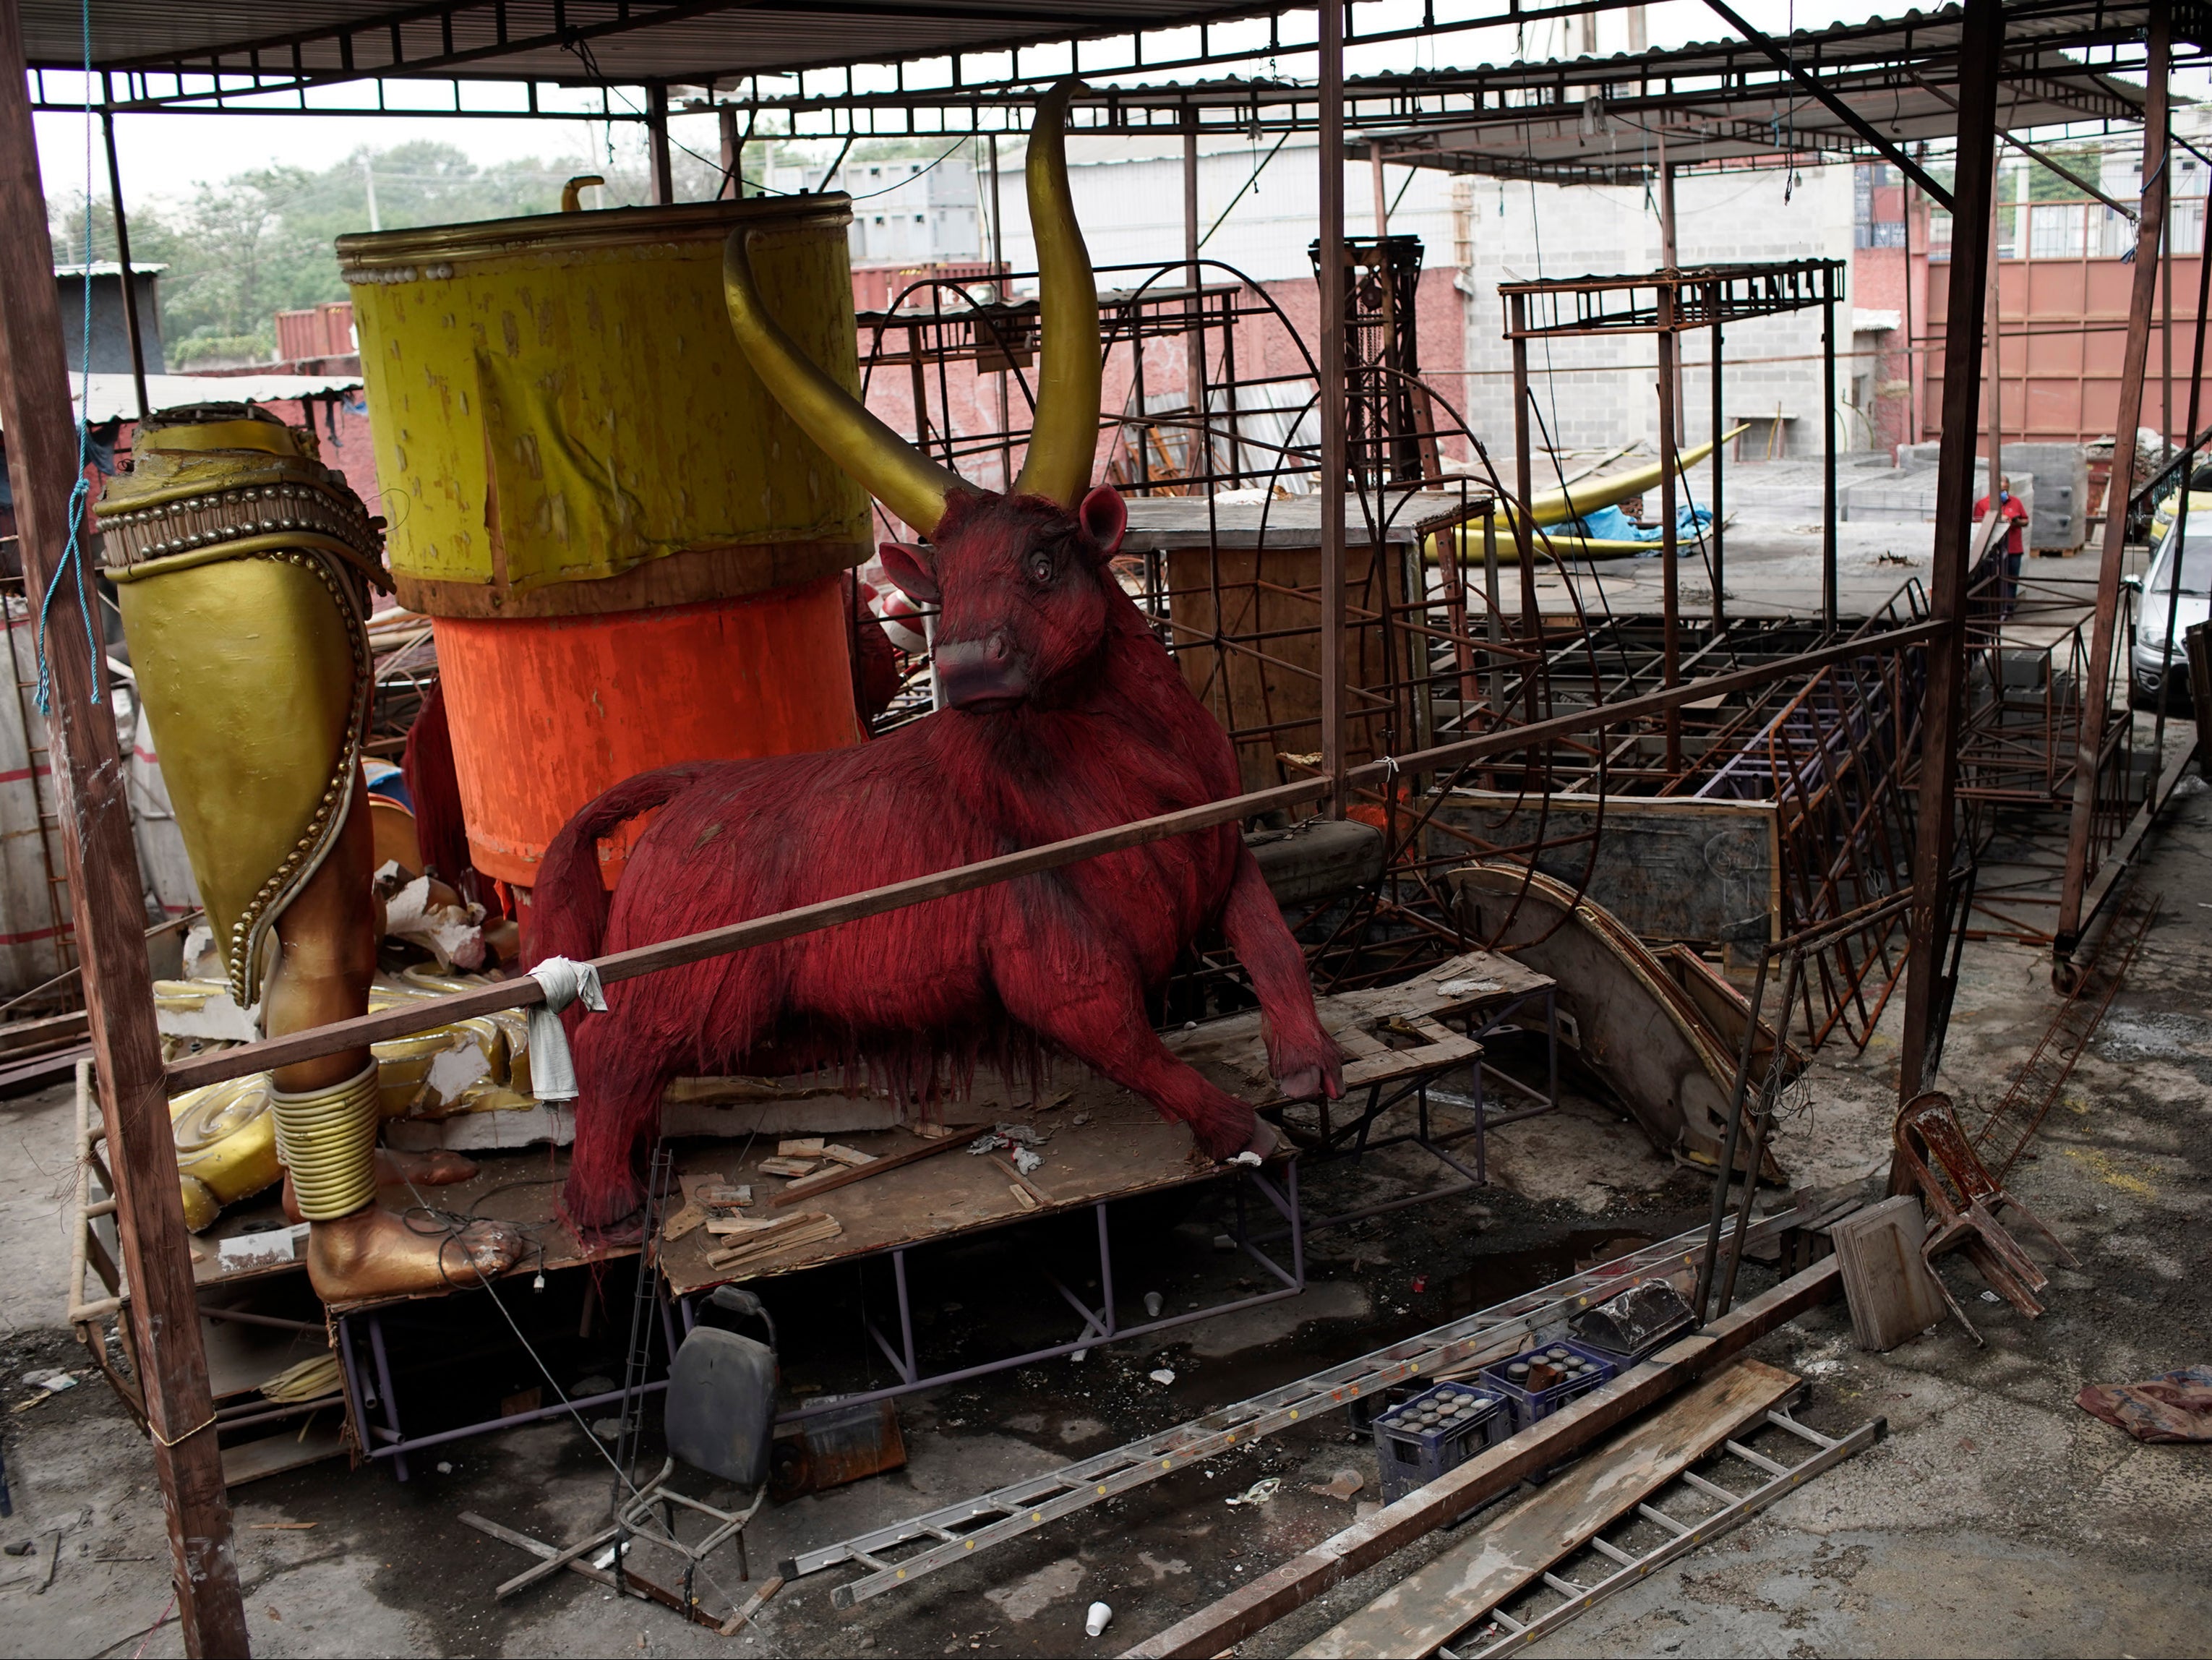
907, 567
1104, 519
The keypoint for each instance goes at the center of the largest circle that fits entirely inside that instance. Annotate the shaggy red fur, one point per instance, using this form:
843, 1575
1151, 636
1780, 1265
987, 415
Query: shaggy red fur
1068, 717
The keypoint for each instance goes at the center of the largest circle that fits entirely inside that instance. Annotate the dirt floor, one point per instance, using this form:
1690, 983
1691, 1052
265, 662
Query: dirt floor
1994, 1518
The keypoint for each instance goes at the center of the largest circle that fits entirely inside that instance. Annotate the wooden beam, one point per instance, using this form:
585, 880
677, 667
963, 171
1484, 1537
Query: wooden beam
107, 899
1255, 1606
1420, 1614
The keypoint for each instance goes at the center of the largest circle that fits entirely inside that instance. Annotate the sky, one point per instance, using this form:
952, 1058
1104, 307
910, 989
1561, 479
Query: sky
165, 156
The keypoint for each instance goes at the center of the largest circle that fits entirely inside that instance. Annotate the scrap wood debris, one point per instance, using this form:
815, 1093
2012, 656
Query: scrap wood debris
2175, 1405
763, 1238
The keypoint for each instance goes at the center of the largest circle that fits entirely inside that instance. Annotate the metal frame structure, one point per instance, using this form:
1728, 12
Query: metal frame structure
656, 45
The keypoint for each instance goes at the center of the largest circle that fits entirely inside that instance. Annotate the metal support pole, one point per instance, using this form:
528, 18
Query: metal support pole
106, 903
1714, 494
1524, 489
733, 153
2181, 530
1332, 470
656, 126
1828, 460
1996, 357
2166, 310
2096, 691
1981, 47
999, 291
1670, 572
130, 327
1199, 458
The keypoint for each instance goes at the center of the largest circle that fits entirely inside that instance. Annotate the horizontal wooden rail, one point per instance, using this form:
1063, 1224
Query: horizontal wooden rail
524, 992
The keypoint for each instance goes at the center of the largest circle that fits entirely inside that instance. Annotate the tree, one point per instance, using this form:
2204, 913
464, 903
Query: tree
263, 241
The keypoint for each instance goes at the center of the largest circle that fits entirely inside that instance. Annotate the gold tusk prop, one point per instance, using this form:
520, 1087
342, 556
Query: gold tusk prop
1064, 445
905, 480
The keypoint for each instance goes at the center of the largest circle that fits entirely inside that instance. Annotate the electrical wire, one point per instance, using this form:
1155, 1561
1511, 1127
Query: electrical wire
652, 1529
72, 559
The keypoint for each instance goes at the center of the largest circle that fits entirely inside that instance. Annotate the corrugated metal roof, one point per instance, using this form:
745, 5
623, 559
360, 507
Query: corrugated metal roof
683, 41
1600, 120
692, 42
114, 397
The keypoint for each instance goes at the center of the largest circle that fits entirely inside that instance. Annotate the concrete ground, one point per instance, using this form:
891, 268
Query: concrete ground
1995, 1517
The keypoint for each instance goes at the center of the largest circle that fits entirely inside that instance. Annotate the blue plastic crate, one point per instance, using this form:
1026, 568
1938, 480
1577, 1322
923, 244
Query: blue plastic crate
1530, 1406
1436, 1432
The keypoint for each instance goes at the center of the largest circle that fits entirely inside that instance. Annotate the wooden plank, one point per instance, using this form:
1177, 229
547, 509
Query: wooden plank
822, 1181
424, 1013
1891, 1291
1255, 1606
287, 1450
1419, 1614
107, 898
23, 1038
553, 1561
645, 1590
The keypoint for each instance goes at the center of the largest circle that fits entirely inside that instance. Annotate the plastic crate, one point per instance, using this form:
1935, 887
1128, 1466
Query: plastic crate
1434, 1432
1530, 1406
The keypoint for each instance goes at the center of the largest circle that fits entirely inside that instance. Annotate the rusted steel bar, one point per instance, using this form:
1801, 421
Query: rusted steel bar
1331, 392
427, 1013
1981, 47
2094, 693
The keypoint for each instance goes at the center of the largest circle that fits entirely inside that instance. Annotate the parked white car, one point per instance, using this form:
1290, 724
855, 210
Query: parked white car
2155, 650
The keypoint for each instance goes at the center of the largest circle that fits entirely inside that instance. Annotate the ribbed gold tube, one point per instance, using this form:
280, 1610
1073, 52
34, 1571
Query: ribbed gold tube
328, 1140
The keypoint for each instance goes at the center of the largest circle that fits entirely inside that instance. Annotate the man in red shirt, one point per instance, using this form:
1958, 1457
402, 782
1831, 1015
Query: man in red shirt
2016, 543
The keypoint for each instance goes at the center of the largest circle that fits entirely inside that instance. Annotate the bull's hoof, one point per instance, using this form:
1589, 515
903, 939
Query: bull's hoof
1266, 1141
1311, 1077
372, 1253
616, 1222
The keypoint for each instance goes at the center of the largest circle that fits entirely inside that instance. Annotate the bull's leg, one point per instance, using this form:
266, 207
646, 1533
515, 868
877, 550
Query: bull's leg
1099, 1019
1301, 1055
621, 1083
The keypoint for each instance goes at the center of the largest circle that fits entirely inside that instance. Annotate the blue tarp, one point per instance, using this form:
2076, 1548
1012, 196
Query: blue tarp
1612, 525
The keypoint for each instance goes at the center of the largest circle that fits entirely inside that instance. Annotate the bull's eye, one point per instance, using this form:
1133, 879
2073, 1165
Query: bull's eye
1040, 567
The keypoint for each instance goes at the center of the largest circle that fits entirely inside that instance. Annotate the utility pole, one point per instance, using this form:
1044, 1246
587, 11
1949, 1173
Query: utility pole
368, 177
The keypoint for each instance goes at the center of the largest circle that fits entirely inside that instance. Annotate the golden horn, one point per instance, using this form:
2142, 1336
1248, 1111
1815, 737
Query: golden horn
903, 479
1064, 445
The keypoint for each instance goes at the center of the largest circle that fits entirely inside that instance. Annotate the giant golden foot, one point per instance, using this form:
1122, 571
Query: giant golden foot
437, 1168
374, 1252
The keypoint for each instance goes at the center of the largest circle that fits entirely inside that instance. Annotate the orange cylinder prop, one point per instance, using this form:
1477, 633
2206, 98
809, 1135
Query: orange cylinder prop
561, 708
633, 555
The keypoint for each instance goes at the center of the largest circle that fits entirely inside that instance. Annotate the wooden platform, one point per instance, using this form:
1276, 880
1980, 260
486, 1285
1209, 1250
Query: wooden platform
1097, 1142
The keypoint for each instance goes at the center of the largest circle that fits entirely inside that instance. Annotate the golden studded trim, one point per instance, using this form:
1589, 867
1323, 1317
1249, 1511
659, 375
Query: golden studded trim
168, 529
375, 575
243, 950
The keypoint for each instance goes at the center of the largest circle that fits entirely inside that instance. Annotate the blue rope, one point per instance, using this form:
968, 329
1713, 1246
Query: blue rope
72, 559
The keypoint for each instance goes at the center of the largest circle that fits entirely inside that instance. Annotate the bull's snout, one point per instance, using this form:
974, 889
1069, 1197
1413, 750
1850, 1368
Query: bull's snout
978, 672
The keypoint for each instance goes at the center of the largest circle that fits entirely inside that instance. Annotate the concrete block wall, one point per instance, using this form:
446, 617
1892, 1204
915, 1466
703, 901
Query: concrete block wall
1595, 393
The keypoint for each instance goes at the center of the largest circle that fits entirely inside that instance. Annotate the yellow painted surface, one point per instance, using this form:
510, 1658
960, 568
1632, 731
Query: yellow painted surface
247, 670
2107, 1170
562, 399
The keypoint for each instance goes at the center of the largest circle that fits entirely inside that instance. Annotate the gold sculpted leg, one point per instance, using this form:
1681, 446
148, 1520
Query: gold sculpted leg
241, 566
327, 1108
